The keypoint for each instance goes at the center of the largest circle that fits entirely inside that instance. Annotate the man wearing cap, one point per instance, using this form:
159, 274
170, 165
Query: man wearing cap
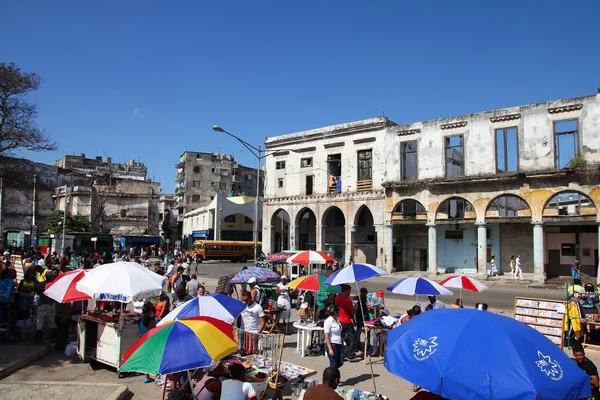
257, 294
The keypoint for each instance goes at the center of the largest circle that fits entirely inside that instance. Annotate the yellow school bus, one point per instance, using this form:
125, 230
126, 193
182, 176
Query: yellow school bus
223, 250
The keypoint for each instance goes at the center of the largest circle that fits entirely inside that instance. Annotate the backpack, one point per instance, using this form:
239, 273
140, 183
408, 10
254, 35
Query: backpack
263, 301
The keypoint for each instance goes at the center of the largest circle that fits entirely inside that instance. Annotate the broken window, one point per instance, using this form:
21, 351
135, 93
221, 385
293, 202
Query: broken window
196, 198
508, 206
334, 172
197, 170
570, 203
306, 162
123, 213
455, 156
365, 165
566, 142
408, 153
507, 153
309, 185
456, 208
409, 208
280, 165
280, 182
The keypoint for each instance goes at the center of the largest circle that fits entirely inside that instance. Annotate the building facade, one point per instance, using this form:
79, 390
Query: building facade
225, 218
168, 214
324, 191
445, 195
119, 199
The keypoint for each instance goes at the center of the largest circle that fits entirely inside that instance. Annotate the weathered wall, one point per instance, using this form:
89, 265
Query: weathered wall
515, 239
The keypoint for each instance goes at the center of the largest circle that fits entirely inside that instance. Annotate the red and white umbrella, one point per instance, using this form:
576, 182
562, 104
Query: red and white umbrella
63, 290
310, 257
464, 282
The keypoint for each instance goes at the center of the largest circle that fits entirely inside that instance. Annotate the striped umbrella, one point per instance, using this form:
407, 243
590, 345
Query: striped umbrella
310, 257
464, 282
63, 288
217, 306
180, 346
416, 286
261, 274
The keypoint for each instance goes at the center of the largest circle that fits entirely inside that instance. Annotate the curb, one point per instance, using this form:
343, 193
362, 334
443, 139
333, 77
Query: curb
119, 392
14, 367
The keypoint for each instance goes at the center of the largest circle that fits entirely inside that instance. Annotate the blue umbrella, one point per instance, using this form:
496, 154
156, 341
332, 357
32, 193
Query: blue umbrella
472, 354
416, 286
354, 273
216, 305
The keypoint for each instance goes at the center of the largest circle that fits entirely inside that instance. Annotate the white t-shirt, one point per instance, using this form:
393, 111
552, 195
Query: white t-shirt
232, 389
251, 318
438, 304
170, 270
334, 329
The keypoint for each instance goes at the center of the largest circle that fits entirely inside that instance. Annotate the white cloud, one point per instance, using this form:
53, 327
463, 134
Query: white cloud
140, 113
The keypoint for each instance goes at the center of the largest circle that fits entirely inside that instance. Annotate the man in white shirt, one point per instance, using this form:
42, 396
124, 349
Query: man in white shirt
518, 270
235, 388
253, 316
435, 303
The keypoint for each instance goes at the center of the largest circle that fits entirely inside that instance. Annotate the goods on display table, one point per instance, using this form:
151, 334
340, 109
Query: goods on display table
304, 336
260, 370
105, 337
545, 316
356, 394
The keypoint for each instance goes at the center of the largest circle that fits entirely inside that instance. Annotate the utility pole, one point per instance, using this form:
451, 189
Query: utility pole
34, 211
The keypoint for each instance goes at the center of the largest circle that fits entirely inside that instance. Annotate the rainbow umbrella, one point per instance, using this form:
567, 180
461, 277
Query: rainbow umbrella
313, 283
180, 346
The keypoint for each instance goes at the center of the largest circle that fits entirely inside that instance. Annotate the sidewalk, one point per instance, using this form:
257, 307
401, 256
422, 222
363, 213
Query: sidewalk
16, 356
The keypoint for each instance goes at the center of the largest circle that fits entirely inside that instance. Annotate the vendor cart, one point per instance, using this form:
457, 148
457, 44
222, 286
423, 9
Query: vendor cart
105, 339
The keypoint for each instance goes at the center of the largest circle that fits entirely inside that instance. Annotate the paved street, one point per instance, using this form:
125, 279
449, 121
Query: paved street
499, 297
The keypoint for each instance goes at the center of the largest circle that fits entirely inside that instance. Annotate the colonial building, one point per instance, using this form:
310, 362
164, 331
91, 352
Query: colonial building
324, 190
444, 195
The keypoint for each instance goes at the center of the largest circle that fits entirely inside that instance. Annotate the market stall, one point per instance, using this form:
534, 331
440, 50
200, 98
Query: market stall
105, 337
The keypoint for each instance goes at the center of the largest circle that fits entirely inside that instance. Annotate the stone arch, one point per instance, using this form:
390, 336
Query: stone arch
334, 231
306, 225
569, 203
508, 205
456, 208
280, 230
409, 210
365, 236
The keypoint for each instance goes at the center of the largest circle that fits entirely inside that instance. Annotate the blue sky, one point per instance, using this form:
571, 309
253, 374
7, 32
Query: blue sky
148, 79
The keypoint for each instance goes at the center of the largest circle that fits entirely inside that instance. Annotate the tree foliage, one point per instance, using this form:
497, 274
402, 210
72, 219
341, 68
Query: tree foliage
18, 128
73, 223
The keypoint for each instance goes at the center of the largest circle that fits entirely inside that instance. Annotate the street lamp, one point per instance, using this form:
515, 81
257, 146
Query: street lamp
64, 224
258, 153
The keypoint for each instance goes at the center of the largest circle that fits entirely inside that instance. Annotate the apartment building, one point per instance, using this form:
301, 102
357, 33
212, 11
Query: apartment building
444, 195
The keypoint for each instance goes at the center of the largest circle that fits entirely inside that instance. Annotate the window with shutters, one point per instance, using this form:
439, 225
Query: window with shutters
365, 165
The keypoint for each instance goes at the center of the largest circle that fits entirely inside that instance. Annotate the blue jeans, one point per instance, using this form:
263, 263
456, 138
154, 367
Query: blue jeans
337, 359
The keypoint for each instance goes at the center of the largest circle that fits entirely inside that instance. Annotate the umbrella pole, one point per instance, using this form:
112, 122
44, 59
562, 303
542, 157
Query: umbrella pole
165, 386
363, 328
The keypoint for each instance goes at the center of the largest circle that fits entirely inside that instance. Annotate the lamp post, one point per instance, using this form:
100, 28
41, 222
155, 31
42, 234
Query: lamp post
64, 224
258, 153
